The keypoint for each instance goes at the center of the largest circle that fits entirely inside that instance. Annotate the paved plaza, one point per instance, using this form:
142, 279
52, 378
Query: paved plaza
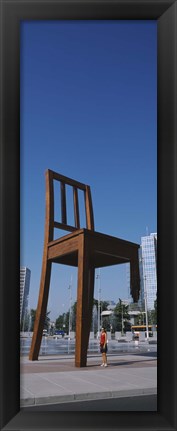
55, 379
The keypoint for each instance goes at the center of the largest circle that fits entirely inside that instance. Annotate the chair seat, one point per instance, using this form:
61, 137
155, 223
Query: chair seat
104, 250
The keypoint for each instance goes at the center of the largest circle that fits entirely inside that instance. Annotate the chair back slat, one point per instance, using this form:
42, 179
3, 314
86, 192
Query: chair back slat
49, 203
64, 226
51, 218
67, 180
89, 209
63, 203
76, 208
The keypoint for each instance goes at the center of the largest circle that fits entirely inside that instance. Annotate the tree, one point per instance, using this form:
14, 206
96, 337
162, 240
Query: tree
121, 317
62, 322
33, 316
155, 311
47, 321
64, 318
25, 324
108, 322
73, 316
32, 319
152, 315
104, 305
140, 319
59, 322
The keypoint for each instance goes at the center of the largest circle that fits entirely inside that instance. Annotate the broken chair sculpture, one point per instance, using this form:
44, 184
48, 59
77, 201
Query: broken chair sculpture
83, 248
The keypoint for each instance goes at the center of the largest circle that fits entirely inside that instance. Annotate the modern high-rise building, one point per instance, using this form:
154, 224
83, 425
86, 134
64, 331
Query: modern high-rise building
25, 275
148, 269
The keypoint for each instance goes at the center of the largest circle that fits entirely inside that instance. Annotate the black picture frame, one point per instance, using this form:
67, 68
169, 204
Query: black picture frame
12, 12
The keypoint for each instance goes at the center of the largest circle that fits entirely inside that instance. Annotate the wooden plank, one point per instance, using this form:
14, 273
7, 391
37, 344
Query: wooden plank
76, 208
64, 226
41, 309
67, 180
99, 260
89, 209
90, 297
100, 235
74, 234
112, 246
45, 272
68, 259
60, 249
84, 290
135, 277
63, 203
49, 209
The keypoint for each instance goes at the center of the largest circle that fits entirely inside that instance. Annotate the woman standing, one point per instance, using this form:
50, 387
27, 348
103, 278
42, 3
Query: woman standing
103, 347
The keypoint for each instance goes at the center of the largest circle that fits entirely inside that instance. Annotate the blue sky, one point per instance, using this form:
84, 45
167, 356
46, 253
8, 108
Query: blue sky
88, 111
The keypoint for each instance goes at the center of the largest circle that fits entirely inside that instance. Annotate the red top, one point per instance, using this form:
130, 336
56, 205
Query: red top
103, 338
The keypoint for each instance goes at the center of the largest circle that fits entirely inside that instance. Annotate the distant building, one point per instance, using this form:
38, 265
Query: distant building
111, 305
25, 275
148, 269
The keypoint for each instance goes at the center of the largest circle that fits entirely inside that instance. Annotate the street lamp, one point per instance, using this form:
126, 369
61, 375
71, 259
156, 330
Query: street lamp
70, 302
145, 298
99, 304
122, 320
146, 308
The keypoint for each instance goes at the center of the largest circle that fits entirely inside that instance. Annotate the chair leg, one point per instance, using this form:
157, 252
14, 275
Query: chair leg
90, 296
41, 310
84, 307
135, 277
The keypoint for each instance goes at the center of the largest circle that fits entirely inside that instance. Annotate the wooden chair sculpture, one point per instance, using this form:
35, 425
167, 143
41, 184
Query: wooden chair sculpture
84, 248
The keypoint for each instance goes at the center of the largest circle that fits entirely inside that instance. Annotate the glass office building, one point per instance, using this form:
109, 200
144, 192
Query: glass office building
25, 274
148, 269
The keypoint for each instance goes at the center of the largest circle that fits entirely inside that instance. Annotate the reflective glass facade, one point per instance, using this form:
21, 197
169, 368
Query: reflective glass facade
25, 274
148, 269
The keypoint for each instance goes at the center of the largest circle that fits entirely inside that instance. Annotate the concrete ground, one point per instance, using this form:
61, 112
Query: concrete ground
55, 379
141, 403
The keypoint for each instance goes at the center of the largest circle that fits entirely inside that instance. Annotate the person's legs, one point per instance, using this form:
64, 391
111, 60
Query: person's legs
105, 359
102, 360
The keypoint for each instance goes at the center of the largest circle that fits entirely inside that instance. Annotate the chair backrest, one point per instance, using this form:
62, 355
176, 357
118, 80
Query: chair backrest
54, 177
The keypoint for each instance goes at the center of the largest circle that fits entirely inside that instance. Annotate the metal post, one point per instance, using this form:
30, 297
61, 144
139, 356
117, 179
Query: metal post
99, 295
70, 302
146, 308
145, 299
101, 310
122, 319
